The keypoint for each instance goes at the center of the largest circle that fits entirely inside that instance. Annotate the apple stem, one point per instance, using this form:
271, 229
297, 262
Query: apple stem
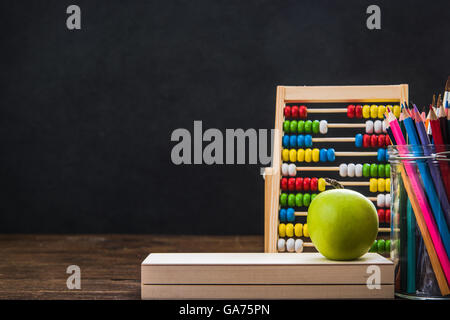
334, 183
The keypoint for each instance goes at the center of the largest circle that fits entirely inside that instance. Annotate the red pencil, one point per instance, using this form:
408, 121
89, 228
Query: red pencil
439, 144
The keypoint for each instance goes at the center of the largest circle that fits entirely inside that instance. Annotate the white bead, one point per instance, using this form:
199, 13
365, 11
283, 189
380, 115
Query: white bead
351, 170
290, 245
292, 171
358, 170
383, 125
369, 126
388, 200
284, 169
281, 245
343, 170
377, 126
299, 245
323, 126
380, 200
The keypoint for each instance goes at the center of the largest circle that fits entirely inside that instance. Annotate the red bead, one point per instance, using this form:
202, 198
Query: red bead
284, 184
388, 140
306, 184
388, 216
366, 141
314, 183
287, 112
373, 140
381, 215
291, 184
302, 112
294, 112
358, 111
351, 111
381, 141
299, 184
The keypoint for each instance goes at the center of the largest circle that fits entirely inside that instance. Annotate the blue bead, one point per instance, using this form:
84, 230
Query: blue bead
387, 155
283, 215
330, 155
293, 141
359, 140
323, 155
381, 156
290, 215
308, 141
300, 141
285, 141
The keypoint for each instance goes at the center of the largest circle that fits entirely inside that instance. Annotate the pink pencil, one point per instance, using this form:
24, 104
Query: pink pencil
426, 210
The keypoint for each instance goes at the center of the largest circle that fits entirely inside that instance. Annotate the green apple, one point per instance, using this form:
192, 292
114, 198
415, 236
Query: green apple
342, 223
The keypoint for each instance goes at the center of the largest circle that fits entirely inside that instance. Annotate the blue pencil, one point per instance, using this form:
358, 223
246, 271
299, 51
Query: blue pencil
410, 249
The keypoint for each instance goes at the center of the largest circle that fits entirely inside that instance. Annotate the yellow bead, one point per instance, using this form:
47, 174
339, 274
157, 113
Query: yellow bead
308, 155
301, 155
396, 111
305, 230
388, 185
285, 155
293, 155
381, 111
289, 230
282, 230
315, 155
373, 187
381, 184
321, 184
298, 230
374, 111
366, 111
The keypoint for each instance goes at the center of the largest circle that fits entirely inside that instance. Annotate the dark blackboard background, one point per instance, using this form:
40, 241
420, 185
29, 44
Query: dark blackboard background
86, 116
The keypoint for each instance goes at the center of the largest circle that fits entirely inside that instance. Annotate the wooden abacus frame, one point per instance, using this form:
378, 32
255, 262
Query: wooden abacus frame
313, 94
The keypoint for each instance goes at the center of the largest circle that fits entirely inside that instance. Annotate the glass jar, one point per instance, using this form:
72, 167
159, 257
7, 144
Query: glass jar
419, 200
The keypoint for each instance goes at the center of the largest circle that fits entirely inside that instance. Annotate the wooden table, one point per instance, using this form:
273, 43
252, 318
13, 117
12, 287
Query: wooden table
34, 266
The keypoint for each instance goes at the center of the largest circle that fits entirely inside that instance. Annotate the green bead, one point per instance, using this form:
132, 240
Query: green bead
299, 200
286, 126
366, 170
306, 199
388, 246
308, 126
374, 247
291, 200
381, 244
315, 126
283, 199
373, 170
381, 170
313, 196
301, 126
387, 169
293, 128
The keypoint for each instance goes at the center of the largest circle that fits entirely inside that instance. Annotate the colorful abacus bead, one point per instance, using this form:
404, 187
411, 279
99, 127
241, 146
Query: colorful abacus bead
351, 111
358, 111
381, 215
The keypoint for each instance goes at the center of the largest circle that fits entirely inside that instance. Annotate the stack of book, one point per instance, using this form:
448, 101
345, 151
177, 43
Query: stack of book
265, 276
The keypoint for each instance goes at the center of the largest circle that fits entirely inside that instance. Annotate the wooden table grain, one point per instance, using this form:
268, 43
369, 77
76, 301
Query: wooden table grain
34, 266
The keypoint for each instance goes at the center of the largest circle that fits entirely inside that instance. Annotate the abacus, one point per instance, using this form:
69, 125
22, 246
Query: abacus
302, 161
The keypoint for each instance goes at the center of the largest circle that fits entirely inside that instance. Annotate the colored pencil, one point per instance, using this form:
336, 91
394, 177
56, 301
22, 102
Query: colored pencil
411, 249
439, 144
